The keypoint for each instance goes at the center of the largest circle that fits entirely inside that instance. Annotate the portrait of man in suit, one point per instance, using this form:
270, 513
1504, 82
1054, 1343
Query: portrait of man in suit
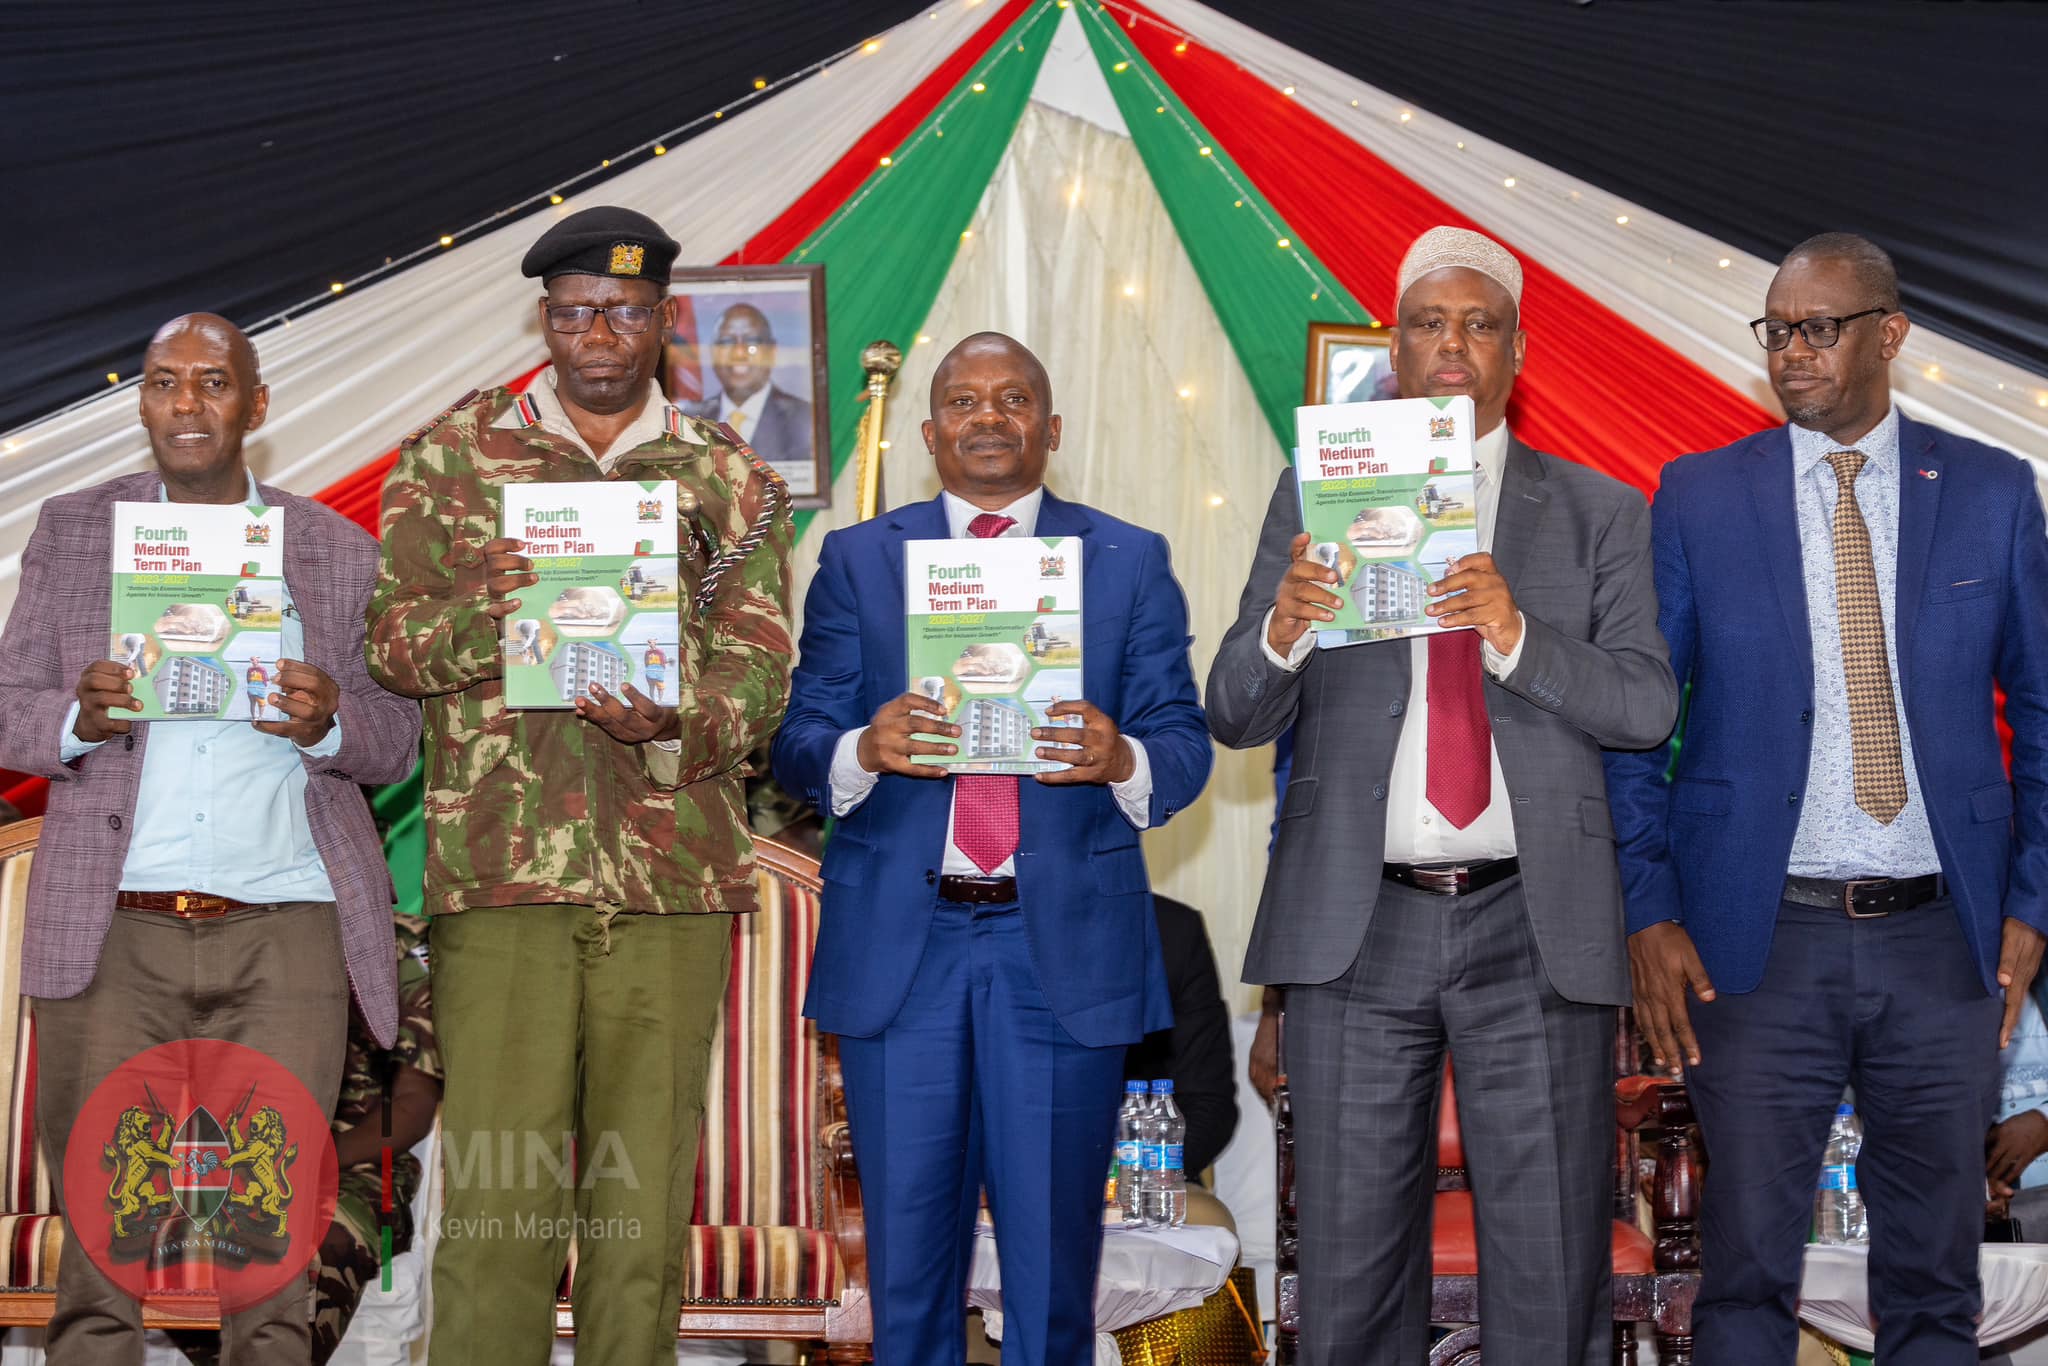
1443, 877
775, 422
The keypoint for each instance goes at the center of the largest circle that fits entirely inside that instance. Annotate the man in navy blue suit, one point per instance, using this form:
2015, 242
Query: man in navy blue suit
1841, 871
988, 946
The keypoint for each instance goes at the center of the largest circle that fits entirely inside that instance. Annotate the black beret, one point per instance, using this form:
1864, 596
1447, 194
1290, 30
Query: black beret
607, 241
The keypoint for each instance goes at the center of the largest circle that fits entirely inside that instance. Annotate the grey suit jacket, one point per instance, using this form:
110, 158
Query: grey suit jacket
1574, 546
60, 624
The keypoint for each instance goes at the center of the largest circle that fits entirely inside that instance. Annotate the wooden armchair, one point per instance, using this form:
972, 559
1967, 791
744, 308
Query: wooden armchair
777, 1248
1655, 1276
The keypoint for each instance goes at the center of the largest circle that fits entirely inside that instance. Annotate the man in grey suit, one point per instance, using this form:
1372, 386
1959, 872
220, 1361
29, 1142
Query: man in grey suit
1444, 873
776, 423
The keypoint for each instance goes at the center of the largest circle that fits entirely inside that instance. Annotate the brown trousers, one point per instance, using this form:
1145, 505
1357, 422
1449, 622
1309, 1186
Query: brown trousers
270, 979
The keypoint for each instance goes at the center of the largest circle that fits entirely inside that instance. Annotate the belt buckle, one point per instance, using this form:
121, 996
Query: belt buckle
193, 906
1849, 897
1439, 881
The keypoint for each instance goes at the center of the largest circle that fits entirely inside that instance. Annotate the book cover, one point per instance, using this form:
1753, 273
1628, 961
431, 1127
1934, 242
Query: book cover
605, 608
1387, 501
993, 630
198, 608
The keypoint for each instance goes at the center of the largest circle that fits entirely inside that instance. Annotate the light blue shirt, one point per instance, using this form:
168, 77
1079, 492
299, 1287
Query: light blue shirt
221, 806
2023, 1080
1837, 838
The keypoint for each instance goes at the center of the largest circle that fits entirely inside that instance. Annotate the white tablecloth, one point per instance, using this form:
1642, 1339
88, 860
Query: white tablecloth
1145, 1273
1834, 1293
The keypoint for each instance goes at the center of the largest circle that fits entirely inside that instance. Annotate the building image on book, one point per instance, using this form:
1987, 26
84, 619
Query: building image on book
994, 730
578, 665
191, 686
1387, 592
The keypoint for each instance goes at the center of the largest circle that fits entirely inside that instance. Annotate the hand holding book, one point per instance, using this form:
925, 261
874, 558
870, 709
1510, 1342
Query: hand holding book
510, 570
103, 689
308, 697
1088, 742
1301, 603
1483, 600
890, 741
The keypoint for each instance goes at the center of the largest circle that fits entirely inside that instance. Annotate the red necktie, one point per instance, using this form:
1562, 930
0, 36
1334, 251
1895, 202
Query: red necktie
984, 804
1460, 777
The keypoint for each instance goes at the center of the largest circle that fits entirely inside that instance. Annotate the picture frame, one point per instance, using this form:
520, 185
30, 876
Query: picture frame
781, 398
1349, 363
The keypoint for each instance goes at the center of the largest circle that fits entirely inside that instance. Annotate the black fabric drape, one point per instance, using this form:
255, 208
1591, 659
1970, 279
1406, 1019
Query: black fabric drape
1923, 126
237, 158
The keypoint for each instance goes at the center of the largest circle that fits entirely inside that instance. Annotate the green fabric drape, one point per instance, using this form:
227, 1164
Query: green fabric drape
1261, 294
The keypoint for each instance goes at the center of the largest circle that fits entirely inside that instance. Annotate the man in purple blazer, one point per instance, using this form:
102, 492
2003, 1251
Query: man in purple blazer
207, 879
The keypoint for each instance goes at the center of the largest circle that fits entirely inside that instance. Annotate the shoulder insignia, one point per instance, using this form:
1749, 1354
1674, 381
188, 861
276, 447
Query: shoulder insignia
529, 411
439, 418
761, 467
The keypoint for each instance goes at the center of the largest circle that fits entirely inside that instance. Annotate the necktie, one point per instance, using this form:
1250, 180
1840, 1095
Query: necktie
1459, 783
738, 422
985, 804
1879, 767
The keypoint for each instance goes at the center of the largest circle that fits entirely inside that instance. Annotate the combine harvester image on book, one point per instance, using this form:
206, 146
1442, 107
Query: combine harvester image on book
198, 608
1387, 501
993, 630
604, 612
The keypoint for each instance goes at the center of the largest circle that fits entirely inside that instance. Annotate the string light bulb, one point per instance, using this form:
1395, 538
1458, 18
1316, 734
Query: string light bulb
1287, 90
885, 445
760, 83
1406, 114
1509, 182
113, 377
1121, 66
1284, 244
554, 199
1180, 47
1207, 152
872, 45
660, 149
1723, 263
888, 161
1621, 219
1187, 391
966, 233
1130, 291
1215, 500
979, 87
924, 339
446, 240
336, 287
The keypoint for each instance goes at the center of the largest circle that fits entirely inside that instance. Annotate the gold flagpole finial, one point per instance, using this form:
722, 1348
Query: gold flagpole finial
880, 359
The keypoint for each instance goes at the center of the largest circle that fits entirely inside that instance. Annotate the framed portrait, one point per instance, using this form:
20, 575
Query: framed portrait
1349, 363
749, 351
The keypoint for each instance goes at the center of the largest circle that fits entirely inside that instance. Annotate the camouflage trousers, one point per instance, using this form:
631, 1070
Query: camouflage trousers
576, 1055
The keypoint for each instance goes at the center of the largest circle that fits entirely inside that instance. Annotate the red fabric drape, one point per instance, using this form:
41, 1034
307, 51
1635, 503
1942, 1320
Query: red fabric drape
1596, 388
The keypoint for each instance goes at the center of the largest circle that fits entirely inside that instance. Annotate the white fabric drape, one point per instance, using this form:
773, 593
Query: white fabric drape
1659, 274
349, 380
1069, 222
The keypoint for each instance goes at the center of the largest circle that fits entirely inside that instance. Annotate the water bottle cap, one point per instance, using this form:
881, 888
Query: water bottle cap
1135, 1088
1845, 1108
1162, 1088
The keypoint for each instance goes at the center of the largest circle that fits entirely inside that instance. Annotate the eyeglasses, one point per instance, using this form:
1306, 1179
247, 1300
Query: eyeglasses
1774, 334
624, 319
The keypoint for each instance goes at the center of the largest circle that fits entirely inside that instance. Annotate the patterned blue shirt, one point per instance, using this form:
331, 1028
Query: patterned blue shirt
1837, 838
2023, 1080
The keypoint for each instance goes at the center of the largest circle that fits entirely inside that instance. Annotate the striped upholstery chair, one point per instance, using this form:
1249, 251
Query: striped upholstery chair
776, 1247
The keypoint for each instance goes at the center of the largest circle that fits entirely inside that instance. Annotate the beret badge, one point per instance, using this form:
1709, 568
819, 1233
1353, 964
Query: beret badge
627, 258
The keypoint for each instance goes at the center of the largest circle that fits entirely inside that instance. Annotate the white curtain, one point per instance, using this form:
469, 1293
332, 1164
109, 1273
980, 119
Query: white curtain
350, 379
1070, 222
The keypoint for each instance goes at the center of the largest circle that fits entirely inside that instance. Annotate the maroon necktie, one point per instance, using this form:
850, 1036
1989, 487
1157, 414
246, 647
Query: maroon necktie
1460, 781
985, 804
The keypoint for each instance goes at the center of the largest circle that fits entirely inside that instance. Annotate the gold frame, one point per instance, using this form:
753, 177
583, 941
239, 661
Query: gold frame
1323, 338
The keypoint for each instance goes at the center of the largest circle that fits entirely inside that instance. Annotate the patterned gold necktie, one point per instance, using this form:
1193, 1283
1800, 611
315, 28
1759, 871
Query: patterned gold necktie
738, 422
1880, 769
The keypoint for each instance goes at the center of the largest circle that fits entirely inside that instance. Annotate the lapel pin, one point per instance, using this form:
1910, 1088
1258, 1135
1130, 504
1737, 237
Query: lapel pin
1930, 474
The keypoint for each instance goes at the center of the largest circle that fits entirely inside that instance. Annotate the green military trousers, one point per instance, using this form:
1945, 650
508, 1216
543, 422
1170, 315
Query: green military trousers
576, 1056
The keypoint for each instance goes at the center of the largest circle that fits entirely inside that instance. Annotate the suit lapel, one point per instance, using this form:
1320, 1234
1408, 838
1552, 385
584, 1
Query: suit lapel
1919, 506
1524, 501
1773, 494
307, 559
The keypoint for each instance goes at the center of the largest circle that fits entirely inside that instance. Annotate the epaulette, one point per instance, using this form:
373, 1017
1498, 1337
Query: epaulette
761, 467
439, 418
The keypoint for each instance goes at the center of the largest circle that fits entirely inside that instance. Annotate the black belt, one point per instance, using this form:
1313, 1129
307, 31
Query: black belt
1451, 879
978, 891
1866, 898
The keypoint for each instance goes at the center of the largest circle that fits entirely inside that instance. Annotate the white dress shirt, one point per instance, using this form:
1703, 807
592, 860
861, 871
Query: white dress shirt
1416, 831
743, 418
851, 783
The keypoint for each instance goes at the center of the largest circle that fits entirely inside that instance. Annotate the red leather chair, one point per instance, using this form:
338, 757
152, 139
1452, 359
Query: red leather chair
1656, 1274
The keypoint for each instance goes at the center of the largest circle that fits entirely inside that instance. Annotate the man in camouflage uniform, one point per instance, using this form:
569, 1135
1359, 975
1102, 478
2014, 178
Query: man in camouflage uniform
580, 863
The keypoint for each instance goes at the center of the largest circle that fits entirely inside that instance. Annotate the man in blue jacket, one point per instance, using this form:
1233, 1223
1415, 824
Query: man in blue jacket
988, 946
1842, 872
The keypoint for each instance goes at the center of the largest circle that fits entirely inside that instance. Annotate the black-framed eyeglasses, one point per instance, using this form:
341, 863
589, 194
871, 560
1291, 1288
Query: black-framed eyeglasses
624, 319
1775, 334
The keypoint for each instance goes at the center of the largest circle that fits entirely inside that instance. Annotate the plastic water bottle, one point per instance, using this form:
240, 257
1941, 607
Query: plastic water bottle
1838, 1215
1130, 1144
1165, 1193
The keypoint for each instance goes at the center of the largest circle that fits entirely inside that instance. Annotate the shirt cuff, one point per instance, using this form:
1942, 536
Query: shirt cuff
69, 746
1501, 665
327, 746
850, 783
1297, 653
1134, 794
